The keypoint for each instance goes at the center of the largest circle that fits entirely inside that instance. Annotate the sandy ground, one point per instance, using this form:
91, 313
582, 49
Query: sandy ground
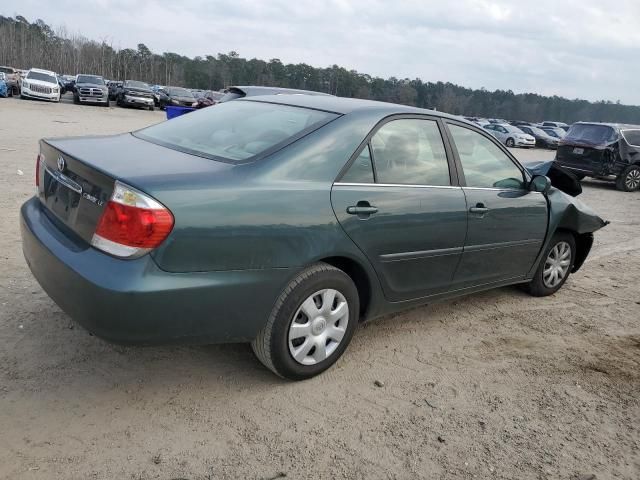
495, 385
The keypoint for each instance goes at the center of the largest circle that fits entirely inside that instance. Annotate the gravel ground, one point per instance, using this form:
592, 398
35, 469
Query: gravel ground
493, 385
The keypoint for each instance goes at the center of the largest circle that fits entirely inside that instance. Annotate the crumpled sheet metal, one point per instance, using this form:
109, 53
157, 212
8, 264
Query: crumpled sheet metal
571, 213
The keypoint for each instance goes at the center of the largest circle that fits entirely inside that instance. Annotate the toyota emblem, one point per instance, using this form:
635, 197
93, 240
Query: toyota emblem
61, 164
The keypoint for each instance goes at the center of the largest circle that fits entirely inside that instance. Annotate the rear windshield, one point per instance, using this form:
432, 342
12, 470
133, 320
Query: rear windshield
90, 79
632, 137
235, 131
593, 134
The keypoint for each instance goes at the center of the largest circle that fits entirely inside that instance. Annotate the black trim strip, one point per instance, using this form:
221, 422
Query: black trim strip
399, 257
493, 246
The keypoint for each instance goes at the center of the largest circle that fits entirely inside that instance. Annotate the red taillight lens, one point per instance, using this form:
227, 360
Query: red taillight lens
133, 226
132, 223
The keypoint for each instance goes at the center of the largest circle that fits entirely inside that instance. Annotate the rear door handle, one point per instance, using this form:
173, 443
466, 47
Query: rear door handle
479, 208
362, 210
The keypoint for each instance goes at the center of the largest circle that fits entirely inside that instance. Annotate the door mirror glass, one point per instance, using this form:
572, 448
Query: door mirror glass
540, 183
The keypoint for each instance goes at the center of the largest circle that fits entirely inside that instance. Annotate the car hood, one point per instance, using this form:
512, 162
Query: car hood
138, 90
182, 99
91, 85
41, 83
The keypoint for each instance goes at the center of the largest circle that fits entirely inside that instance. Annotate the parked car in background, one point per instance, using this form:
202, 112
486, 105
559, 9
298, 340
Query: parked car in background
12, 79
543, 139
518, 123
4, 91
557, 132
91, 89
176, 96
133, 93
40, 84
603, 150
510, 136
285, 220
561, 125
113, 87
69, 82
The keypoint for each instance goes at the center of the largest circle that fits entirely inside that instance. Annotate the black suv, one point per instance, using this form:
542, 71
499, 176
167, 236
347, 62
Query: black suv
603, 150
135, 94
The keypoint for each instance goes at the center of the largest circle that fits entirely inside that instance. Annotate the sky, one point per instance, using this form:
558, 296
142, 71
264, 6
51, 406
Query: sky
572, 48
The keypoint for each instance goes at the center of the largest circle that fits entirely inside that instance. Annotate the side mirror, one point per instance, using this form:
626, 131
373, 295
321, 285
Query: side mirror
540, 183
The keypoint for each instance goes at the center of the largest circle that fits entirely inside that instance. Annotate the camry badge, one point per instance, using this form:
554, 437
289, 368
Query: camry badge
61, 164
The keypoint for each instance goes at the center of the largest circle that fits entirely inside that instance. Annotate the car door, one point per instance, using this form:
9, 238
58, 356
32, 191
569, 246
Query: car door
399, 202
507, 222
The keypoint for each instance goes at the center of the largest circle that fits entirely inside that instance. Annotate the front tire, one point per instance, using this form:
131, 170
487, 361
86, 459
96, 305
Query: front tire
555, 267
511, 143
629, 179
311, 324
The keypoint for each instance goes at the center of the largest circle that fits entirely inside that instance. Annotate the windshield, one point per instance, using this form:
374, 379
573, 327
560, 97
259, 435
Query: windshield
593, 134
6, 69
90, 79
44, 77
136, 84
179, 92
538, 131
235, 131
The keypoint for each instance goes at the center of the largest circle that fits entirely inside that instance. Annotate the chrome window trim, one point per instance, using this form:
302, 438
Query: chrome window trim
350, 184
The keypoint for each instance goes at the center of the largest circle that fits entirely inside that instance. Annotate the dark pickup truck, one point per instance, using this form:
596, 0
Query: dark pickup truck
91, 89
135, 94
606, 151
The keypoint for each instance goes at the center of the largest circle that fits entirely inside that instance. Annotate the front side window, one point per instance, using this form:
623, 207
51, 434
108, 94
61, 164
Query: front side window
410, 151
235, 131
484, 164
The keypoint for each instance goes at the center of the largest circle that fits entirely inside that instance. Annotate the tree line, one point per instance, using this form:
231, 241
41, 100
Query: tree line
35, 44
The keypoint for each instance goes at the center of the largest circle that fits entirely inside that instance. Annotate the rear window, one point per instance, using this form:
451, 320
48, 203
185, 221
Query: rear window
593, 134
235, 131
632, 137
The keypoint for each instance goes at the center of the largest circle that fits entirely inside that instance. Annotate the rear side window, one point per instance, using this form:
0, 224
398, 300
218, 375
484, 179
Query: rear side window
410, 151
632, 137
484, 164
361, 170
235, 131
593, 134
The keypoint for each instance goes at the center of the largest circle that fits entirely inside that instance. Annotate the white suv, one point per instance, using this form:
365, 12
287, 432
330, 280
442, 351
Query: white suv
41, 84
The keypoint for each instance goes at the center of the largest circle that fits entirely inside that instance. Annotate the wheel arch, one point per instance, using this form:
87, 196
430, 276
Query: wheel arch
358, 274
584, 242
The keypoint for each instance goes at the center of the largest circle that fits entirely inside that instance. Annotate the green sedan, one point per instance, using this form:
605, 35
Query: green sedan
285, 221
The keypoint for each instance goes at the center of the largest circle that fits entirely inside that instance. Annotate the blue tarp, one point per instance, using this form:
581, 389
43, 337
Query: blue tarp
3, 89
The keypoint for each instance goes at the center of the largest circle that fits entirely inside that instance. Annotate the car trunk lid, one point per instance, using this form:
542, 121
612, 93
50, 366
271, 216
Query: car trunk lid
77, 175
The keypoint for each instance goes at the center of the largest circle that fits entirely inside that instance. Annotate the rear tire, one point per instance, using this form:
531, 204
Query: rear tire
629, 179
510, 143
323, 334
559, 256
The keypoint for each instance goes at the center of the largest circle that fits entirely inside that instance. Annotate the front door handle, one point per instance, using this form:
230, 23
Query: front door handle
362, 210
480, 208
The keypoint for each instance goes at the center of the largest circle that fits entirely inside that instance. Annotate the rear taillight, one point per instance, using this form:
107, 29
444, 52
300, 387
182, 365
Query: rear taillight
132, 223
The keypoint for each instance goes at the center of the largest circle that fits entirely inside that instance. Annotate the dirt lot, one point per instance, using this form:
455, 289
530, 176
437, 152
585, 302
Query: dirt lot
495, 385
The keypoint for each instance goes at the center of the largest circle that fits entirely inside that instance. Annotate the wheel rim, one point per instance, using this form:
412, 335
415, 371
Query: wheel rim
556, 266
633, 179
318, 327
510, 143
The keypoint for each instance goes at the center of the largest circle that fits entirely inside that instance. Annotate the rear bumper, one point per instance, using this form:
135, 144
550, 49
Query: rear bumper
134, 301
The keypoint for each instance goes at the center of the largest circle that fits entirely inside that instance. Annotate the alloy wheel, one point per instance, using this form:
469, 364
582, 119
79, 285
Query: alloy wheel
633, 179
318, 326
556, 266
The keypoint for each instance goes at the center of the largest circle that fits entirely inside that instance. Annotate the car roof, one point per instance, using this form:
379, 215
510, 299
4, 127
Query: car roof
40, 70
345, 106
619, 126
250, 90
